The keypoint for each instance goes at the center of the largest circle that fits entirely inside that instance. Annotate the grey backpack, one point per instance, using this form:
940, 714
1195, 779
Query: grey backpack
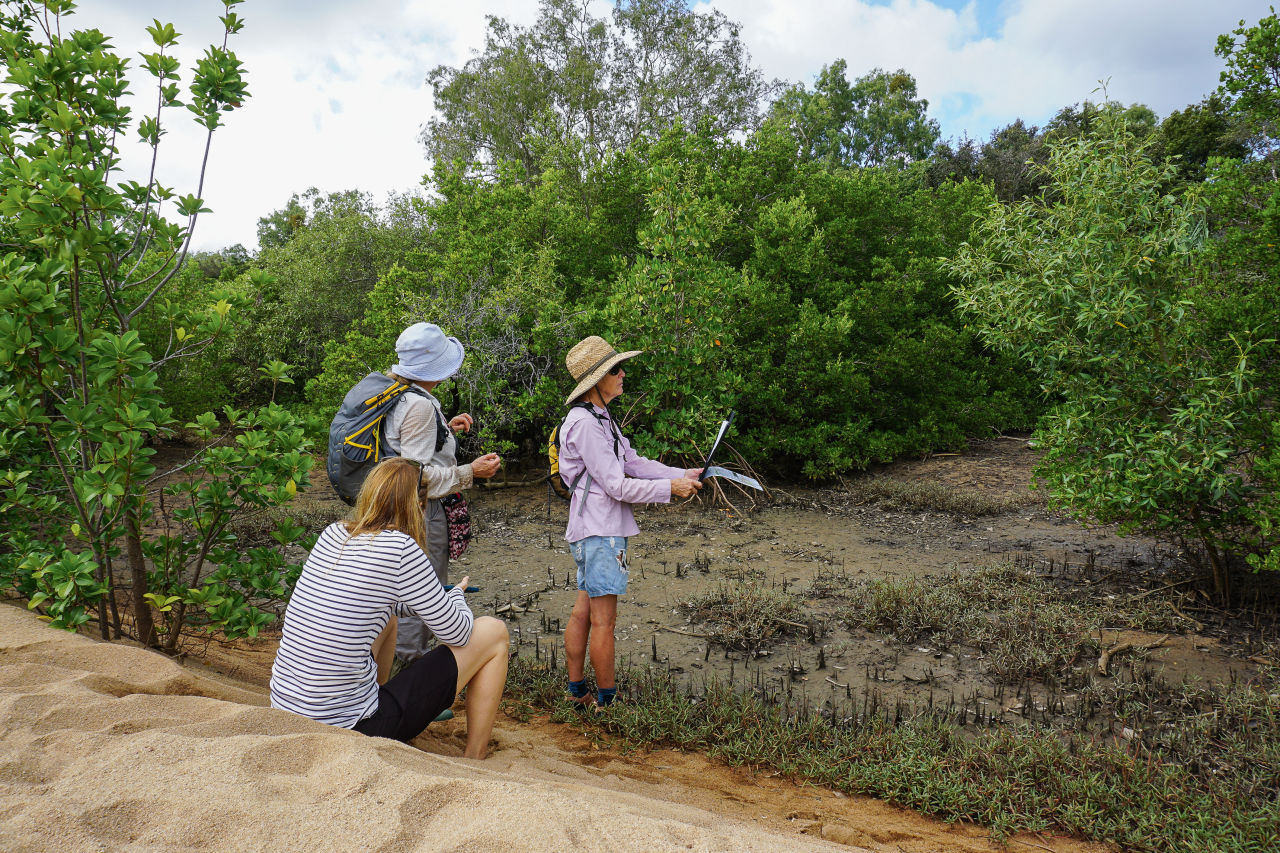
357, 439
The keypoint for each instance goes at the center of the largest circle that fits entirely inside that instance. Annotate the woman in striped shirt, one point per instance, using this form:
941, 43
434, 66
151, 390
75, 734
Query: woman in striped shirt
361, 573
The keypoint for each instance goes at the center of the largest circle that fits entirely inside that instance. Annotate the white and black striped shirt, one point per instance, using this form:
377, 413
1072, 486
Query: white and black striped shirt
348, 590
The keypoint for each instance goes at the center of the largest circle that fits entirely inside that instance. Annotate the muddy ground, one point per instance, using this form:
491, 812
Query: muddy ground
811, 543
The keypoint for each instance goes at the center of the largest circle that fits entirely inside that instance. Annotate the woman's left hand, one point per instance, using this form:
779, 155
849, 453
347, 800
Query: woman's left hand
461, 423
693, 473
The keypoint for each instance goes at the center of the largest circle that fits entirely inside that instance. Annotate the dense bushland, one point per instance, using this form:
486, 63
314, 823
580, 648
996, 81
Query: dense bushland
1150, 318
811, 299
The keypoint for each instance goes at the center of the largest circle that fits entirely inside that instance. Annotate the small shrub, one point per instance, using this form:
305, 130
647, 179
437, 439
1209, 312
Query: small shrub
313, 516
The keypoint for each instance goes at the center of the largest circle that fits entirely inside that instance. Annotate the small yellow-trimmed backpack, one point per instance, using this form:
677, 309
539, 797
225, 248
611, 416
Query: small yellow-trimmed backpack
555, 482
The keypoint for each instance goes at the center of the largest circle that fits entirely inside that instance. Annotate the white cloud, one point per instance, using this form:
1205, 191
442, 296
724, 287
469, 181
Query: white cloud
338, 95
339, 92
1043, 55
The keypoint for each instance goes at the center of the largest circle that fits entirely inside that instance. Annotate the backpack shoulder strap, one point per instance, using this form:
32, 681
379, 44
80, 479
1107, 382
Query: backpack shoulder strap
604, 419
442, 428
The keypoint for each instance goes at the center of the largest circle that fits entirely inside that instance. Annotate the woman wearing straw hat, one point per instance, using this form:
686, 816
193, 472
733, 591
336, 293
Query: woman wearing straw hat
425, 358
607, 476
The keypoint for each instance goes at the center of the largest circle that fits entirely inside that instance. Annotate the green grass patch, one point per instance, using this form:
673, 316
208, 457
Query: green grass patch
1206, 780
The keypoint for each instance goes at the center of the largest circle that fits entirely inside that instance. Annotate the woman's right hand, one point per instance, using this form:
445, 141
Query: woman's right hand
486, 466
682, 487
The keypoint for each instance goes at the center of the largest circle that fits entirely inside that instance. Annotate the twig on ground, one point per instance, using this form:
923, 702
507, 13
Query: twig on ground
688, 633
1160, 589
1195, 623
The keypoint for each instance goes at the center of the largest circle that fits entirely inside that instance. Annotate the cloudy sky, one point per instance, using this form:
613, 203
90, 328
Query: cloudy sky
339, 94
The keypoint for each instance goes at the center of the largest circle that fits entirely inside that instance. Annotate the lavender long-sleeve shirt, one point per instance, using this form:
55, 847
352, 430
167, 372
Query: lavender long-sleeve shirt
616, 481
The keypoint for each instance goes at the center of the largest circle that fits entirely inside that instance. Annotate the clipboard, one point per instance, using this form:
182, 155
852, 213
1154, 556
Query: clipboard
715, 445
709, 470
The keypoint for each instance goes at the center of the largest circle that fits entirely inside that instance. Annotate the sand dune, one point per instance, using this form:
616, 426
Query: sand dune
107, 747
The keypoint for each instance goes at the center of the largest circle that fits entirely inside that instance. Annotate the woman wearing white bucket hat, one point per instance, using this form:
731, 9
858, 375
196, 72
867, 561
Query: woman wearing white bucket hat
607, 477
425, 358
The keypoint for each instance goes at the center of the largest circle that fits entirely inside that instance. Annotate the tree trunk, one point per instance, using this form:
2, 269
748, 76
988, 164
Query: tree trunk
138, 577
104, 624
111, 600
1221, 577
175, 627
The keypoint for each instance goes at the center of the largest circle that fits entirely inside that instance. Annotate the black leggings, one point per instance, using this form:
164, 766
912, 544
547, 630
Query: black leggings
414, 697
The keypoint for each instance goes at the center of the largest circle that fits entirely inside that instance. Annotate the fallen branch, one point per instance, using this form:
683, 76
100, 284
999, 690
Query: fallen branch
485, 485
1196, 624
789, 622
1161, 589
521, 603
831, 680
1104, 660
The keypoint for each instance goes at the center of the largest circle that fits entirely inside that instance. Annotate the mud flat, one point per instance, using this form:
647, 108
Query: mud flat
817, 551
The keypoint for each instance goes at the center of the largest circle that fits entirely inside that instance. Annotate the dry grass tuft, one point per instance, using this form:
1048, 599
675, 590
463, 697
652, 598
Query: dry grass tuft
747, 614
933, 496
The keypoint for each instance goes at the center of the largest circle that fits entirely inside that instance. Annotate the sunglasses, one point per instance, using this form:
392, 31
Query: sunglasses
616, 369
419, 466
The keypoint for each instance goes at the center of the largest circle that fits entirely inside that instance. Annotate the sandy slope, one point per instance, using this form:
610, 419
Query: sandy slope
106, 747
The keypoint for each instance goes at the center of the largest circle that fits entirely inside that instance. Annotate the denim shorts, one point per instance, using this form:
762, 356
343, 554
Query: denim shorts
602, 564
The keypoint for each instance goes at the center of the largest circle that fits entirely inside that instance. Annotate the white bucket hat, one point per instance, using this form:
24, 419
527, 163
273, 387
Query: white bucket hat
427, 354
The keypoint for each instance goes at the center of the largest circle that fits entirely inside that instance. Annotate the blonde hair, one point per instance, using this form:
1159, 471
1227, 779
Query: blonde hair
388, 500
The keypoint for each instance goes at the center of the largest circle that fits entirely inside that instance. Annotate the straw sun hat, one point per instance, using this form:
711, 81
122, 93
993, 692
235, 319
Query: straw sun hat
589, 360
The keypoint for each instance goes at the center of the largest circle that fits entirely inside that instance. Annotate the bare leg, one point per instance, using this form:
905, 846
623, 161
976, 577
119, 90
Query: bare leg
575, 637
482, 669
384, 650
604, 615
